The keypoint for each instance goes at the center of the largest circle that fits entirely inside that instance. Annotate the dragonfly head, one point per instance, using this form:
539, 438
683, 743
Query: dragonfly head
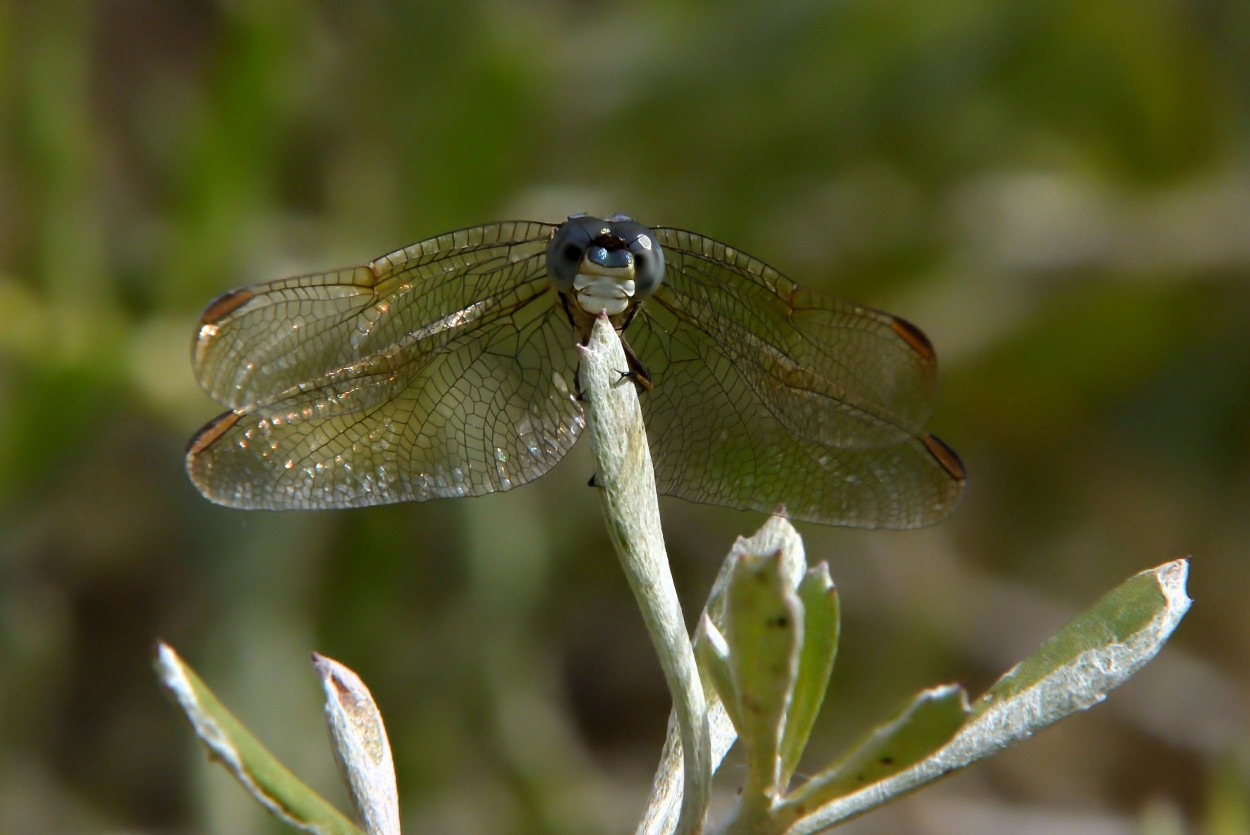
604, 264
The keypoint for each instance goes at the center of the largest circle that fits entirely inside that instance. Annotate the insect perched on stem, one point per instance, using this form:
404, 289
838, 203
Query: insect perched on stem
448, 369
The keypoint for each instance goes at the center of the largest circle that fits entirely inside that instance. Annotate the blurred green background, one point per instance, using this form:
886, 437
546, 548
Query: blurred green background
1057, 191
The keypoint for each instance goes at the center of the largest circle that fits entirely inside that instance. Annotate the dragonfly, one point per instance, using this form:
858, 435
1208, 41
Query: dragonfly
449, 368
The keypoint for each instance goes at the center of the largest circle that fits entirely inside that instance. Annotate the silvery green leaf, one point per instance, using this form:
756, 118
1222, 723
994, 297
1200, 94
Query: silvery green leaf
712, 653
1074, 670
816, 657
283, 794
919, 729
361, 747
763, 628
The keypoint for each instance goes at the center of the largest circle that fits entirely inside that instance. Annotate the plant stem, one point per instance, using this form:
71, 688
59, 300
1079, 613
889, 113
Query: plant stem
627, 491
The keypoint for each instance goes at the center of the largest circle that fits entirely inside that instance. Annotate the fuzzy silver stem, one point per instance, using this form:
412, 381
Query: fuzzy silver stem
626, 484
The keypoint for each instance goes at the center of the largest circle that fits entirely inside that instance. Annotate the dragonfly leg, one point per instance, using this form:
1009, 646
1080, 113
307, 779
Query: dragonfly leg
637, 371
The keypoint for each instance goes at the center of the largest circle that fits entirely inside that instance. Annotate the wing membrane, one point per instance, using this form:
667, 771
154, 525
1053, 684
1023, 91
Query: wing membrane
769, 394
255, 342
440, 370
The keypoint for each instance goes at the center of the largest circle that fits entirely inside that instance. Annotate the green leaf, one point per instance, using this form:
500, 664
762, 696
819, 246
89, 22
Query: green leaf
1102, 647
712, 654
763, 624
283, 794
775, 536
819, 649
361, 747
1075, 669
927, 723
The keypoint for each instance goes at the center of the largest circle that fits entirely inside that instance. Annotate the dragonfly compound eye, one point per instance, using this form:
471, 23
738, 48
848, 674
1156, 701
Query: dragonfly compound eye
648, 264
567, 247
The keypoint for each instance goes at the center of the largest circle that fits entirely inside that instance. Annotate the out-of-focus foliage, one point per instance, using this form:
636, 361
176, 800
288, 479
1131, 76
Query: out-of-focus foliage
1058, 191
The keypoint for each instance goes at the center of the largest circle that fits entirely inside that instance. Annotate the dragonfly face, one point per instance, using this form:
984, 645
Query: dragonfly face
606, 265
448, 369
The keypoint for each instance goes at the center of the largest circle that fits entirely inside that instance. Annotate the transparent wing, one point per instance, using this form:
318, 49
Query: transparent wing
768, 394
443, 369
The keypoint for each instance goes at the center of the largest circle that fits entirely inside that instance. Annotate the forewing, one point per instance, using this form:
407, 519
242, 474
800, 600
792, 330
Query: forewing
440, 370
256, 342
768, 394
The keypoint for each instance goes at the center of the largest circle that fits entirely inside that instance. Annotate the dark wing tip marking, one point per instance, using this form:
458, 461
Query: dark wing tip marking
225, 304
914, 337
211, 431
945, 456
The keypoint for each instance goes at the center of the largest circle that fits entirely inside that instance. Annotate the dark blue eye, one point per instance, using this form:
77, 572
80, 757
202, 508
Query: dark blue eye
609, 258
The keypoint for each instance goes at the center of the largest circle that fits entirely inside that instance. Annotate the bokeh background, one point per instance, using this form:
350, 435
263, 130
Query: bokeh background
1057, 191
